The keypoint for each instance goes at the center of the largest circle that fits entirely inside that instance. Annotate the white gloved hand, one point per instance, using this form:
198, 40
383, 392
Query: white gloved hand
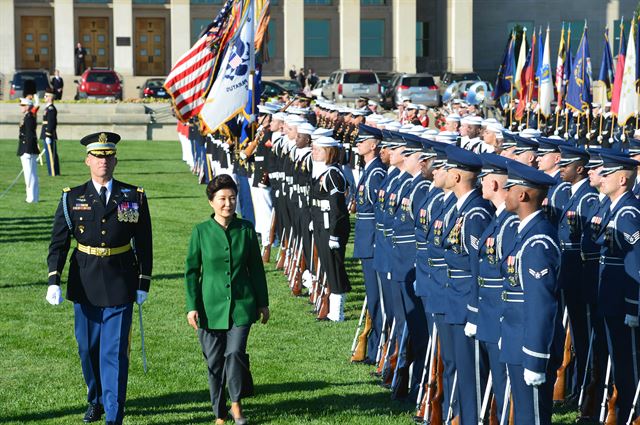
631, 321
470, 329
47, 140
534, 378
54, 295
334, 244
311, 226
500, 343
141, 296
243, 155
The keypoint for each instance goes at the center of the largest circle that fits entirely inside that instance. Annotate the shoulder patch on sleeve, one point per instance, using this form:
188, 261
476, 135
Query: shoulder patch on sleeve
141, 189
66, 189
538, 274
632, 239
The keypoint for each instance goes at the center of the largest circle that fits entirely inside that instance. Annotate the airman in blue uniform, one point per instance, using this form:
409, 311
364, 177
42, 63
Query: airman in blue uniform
618, 237
548, 161
370, 182
467, 221
572, 222
531, 334
485, 303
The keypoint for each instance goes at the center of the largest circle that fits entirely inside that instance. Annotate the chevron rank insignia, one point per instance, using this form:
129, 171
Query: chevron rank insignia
632, 239
475, 243
539, 274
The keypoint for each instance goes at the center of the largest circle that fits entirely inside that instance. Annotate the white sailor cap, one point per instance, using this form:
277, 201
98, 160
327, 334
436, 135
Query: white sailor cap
530, 133
281, 116
264, 109
411, 106
447, 137
294, 120
453, 117
326, 142
375, 118
321, 132
488, 121
471, 120
26, 101
306, 128
496, 128
422, 107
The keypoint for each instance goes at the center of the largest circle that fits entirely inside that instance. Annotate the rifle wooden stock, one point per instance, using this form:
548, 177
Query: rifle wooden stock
589, 406
435, 404
561, 374
387, 373
360, 353
380, 366
611, 408
266, 254
281, 257
323, 310
493, 413
352, 207
296, 288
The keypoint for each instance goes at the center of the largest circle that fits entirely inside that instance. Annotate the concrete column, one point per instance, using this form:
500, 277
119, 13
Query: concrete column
460, 35
404, 35
10, 39
349, 15
293, 11
64, 35
612, 13
123, 27
180, 28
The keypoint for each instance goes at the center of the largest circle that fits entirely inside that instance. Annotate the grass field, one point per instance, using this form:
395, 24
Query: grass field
300, 367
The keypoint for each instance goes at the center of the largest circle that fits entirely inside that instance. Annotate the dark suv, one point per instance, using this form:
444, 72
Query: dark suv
29, 82
99, 83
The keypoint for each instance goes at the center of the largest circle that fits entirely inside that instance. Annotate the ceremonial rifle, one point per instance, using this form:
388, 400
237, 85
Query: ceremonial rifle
560, 384
363, 312
266, 252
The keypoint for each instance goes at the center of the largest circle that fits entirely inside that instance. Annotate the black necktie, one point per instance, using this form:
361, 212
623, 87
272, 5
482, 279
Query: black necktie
103, 195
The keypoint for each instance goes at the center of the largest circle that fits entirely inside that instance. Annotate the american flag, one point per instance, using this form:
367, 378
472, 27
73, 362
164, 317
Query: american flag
189, 78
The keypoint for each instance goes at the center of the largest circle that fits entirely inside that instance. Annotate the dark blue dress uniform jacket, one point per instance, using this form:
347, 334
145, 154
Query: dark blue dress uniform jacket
366, 197
423, 217
110, 280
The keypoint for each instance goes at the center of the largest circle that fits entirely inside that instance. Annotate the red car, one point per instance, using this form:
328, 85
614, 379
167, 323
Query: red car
99, 83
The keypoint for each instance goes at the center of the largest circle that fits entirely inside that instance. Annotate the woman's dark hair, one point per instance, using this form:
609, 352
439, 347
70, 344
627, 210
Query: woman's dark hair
223, 181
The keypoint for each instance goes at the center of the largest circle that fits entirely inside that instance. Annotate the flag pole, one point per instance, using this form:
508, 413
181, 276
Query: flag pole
252, 65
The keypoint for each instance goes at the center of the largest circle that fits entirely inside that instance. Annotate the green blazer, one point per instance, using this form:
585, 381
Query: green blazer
224, 275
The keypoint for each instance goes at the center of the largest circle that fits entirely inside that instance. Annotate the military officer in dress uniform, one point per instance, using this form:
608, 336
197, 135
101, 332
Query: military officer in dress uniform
485, 305
548, 161
531, 329
370, 182
463, 229
634, 152
572, 222
110, 268
49, 135
28, 150
618, 237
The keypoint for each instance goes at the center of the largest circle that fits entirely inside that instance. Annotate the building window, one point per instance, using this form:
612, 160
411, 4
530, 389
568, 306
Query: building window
372, 38
321, 2
423, 35
372, 2
149, 1
197, 25
316, 38
273, 37
207, 1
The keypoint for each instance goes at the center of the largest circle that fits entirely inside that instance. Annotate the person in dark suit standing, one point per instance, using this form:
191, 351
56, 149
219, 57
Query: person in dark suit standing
28, 149
57, 83
110, 269
49, 134
79, 54
226, 292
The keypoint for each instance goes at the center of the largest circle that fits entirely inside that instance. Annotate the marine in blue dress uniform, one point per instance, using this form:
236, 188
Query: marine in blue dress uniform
370, 183
110, 268
468, 220
531, 334
485, 304
572, 222
618, 235
49, 134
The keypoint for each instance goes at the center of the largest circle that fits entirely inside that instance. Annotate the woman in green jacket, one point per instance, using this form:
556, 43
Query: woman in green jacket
226, 293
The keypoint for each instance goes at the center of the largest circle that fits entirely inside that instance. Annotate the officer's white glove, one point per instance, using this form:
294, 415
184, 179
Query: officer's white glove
54, 295
47, 140
500, 343
243, 155
311, 226
334, 244
631, 321
141, 296
599, 139
534, 378
470, 329
557, 109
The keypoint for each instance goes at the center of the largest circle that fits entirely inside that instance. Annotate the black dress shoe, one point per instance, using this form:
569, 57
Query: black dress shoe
93, 414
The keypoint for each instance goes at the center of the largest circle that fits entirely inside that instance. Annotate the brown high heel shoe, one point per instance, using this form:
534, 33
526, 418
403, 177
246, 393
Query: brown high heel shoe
236, 413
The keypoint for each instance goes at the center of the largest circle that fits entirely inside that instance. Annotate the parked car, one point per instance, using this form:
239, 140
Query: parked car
420, 88
153, 88
351, 84
316, 90
271, 89
450, 77
33, 81
99, 83
292, 86
385, 79
463, 91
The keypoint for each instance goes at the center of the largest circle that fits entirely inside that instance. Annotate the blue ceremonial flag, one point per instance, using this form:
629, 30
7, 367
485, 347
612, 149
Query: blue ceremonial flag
504, 79
568, 65
606, 65
579, 91
250, 110
540, 54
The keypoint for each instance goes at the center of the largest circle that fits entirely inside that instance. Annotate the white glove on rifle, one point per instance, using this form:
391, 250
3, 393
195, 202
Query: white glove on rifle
311, 226
470, 329
141, 296
54, 295
334, 244
47, 140
631, 321
534, 378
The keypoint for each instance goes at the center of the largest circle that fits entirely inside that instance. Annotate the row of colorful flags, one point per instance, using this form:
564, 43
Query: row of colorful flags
216, 79
520, 78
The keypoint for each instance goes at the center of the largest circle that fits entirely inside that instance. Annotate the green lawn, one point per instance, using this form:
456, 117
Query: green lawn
301, 368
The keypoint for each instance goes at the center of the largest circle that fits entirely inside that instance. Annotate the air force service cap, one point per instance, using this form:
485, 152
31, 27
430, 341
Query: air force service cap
493, 164
571, 154
519, 174
616, 162
462, 159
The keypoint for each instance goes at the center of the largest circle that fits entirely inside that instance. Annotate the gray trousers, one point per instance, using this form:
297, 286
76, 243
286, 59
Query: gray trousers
226, 354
